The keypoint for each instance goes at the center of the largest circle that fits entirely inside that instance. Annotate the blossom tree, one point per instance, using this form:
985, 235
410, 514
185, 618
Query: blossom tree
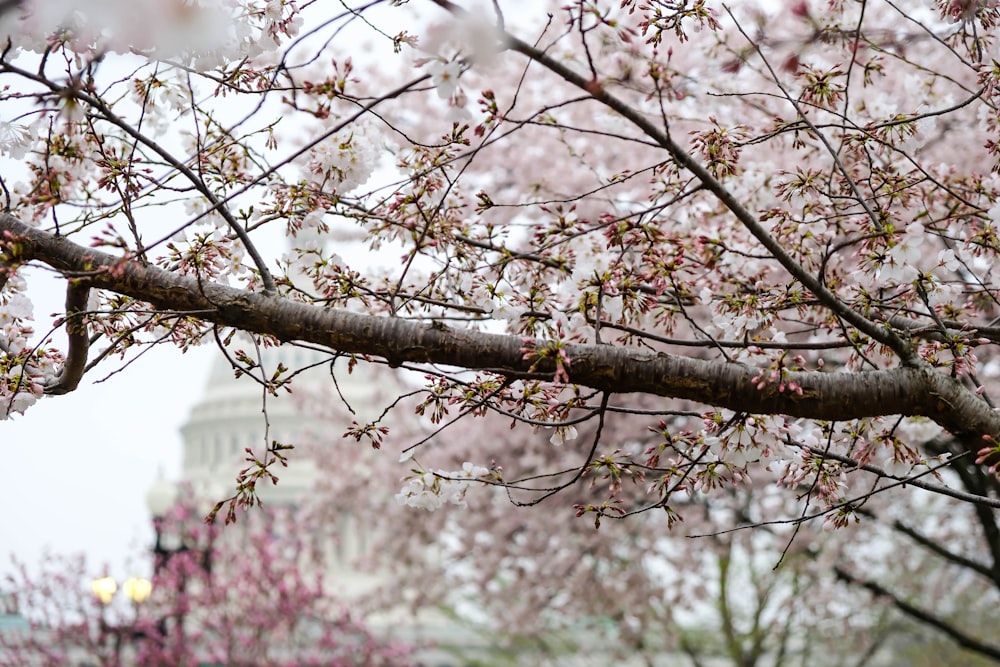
787, 592
246, 597
779, 222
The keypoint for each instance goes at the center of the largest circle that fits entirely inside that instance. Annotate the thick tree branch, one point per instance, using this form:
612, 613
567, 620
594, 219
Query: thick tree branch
79, 342
908, 390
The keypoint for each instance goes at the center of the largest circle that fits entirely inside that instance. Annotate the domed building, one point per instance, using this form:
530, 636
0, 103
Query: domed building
239, 413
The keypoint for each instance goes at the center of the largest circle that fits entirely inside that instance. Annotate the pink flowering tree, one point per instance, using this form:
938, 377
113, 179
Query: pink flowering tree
905, 583
775, 223
250, 596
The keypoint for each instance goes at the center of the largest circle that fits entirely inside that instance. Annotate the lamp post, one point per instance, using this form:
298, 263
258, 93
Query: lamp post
162, 498
137, 590
176, 533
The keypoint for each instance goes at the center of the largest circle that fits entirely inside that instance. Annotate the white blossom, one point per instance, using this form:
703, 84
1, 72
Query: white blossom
430, 490
901, 264
15, 139
345, 160
472, 36
204, 34
444, 76
612, 308
16, 404
918, 430
563, 434
948, 260
896, 468
755, 438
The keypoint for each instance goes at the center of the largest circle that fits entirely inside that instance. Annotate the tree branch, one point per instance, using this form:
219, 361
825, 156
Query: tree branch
684, 160
910, 479
981, 482
216, 203
960, 638
79, 342
908, 390
939, 549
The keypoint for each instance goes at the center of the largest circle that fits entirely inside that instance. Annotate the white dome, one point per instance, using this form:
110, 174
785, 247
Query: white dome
230, 417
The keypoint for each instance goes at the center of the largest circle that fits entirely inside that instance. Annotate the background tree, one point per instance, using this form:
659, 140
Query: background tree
540, 582
251, 596
781, 222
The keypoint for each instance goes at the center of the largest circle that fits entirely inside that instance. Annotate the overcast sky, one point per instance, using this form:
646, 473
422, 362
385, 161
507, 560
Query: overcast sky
77, 467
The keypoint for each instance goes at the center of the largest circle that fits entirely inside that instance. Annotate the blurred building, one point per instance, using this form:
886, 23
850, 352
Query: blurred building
239, 413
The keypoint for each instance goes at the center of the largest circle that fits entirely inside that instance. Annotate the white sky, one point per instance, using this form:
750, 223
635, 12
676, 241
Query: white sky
77, 467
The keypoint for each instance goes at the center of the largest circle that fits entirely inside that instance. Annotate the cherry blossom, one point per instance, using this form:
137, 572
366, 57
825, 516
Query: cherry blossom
444, 76
233, 599
760, 242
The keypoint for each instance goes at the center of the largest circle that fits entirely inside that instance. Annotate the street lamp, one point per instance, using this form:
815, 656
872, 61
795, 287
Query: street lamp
104, 589
137, 590
176, 535
162, 498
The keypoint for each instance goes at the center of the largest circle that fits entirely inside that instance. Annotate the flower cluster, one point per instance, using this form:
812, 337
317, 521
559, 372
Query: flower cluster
343, 161
205, 34
745, 439
24, 370
431, 489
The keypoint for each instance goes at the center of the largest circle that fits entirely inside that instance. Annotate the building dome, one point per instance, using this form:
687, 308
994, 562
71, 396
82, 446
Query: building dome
239, 413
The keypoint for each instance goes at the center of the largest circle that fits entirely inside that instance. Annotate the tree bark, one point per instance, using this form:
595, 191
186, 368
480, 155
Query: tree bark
911, 390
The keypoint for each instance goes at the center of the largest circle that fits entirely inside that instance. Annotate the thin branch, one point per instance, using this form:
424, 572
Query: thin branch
684, 160
850, 504
216, 204
599, 431
860, 198
966, 497
936, 547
